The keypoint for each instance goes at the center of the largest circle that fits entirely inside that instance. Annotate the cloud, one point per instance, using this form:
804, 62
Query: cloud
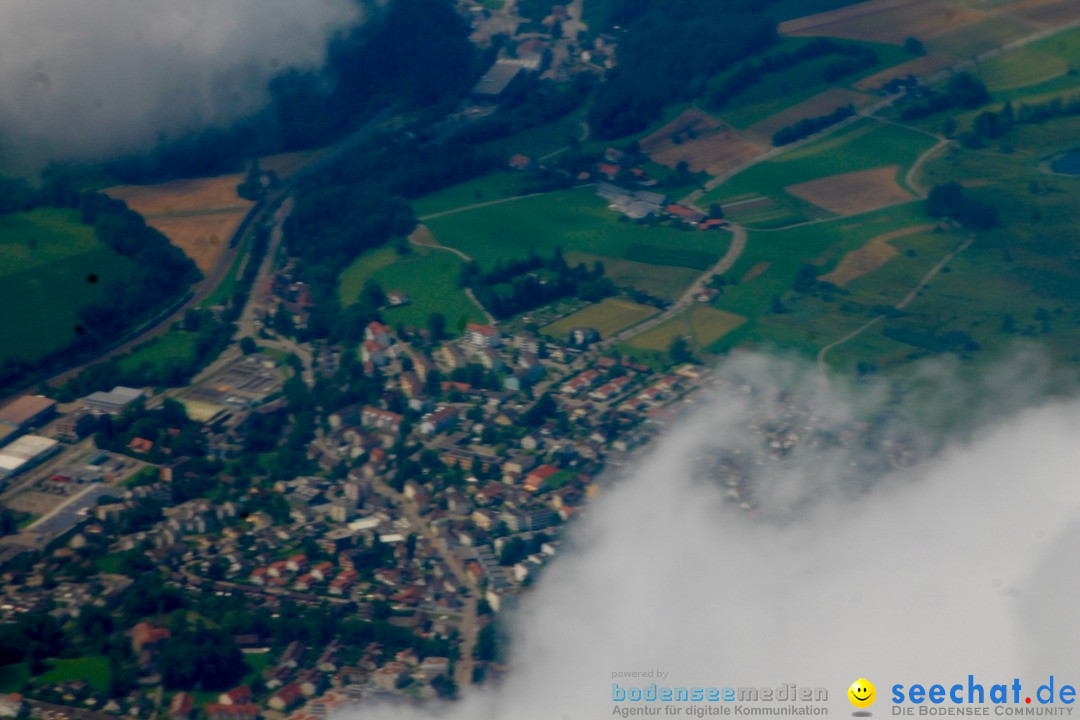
87, 78
961, 563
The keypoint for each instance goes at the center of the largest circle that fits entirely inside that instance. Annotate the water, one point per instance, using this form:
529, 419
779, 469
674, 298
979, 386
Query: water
1067, 164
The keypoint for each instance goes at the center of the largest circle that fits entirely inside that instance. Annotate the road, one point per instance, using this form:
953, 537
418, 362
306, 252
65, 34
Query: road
414, 238
734, 251
469, 627
823, 369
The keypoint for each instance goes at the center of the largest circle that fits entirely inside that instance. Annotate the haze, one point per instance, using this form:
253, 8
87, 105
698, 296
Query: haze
954, 567
86, 79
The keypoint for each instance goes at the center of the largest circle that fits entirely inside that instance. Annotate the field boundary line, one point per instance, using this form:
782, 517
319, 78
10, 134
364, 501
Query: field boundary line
926, 279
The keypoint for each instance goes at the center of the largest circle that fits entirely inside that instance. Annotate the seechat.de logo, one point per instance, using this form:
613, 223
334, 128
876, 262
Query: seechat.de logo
862, 694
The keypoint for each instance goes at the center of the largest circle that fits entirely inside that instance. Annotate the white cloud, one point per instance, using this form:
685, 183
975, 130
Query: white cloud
83, 78
961, 565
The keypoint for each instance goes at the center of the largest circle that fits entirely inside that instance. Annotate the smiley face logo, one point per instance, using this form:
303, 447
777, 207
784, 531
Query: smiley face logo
862, 693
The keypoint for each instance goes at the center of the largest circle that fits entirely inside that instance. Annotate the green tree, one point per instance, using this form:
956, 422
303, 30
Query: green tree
679, 350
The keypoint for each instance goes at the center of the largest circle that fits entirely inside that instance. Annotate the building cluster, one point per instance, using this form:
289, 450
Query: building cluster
436, 496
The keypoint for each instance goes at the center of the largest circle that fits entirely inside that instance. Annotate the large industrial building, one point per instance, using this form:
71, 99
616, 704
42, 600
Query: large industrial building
113, 401
24, 413
25, 453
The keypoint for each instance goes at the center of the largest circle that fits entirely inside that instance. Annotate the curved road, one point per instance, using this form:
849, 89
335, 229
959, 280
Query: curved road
734, 251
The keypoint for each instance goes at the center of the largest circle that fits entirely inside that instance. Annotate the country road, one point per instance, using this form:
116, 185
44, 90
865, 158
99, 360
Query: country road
914, 293
734, 251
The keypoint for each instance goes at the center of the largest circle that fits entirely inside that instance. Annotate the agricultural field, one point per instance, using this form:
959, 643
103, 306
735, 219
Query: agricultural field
865, 145
700, 324
867, 258
665, 282
772, 259
199, 216
537, 141
777, 93
607, 316
574, 220
493, 186
704, 144
821, 104
427, 276
853, 192
1041, 69
50, 266
887, 21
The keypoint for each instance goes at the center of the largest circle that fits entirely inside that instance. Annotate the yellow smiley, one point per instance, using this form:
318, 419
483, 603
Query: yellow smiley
862, 693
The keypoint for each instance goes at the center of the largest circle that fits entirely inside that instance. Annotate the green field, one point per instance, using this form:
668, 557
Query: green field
701, 324
92, 669
537, 141
864, 145
1020, 68
976, 38
47, 262
778, 91
427, 276
14, 677
1015, 284
665, 282
822, 244
575, 220
493, 186
160, 350
608, 317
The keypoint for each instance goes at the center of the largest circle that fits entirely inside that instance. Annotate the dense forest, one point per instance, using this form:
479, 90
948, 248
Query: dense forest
667, 52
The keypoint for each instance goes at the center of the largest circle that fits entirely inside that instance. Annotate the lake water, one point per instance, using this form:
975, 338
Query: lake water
1067, 164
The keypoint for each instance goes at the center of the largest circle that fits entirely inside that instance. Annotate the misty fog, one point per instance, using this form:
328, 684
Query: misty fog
84, 79
959, 562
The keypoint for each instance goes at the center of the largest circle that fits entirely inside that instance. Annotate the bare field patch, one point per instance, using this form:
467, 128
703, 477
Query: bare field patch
923, 65
202, 237
753, 272
853, 192
821, 104
887, 21
181, 196
198, 216
869, 257
705, 144
1046, 13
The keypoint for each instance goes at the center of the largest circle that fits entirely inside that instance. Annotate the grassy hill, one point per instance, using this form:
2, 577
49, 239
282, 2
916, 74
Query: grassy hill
50, 266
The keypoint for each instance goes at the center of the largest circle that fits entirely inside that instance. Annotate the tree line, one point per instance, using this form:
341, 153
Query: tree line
808, 126
854, 59
667, 52
525, 285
